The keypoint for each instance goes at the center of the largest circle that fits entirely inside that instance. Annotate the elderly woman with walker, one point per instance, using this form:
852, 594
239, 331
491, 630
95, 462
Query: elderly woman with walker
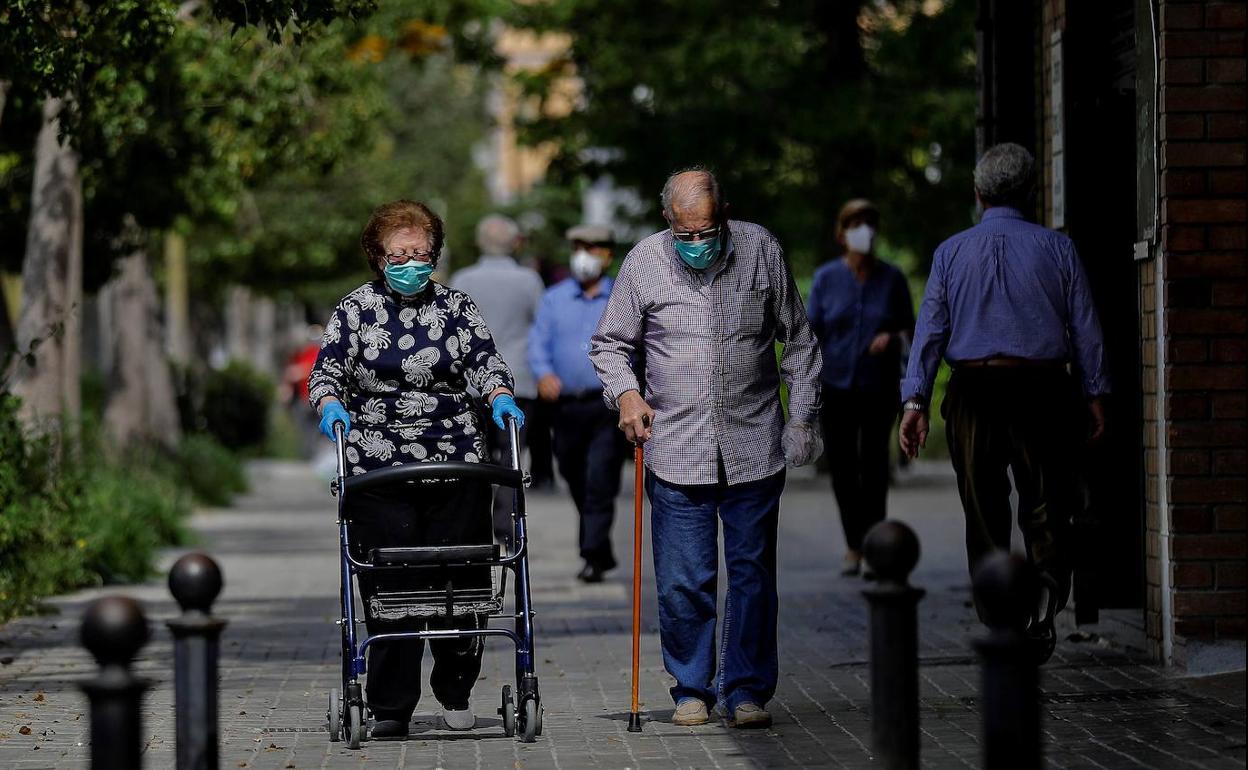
400, 358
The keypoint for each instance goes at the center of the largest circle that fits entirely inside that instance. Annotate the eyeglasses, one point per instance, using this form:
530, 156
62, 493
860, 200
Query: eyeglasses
701, 235
403, 257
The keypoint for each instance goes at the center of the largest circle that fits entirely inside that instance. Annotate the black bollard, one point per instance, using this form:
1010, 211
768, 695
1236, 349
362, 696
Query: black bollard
195, 581
113, 629
1006, 588
892, 550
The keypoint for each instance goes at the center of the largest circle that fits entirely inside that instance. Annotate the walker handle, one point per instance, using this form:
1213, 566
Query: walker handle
340, 447
513, 436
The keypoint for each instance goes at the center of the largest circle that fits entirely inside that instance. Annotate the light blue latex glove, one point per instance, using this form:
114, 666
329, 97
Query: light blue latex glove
504, 405
331, 413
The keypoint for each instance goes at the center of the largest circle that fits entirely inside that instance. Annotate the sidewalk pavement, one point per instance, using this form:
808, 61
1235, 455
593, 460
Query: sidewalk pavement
1104, 705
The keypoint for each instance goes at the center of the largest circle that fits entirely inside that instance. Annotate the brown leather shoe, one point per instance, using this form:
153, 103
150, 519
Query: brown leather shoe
750, 716
689, 712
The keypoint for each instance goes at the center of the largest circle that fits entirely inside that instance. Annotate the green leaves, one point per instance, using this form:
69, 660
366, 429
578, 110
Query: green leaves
297, 17
798, 106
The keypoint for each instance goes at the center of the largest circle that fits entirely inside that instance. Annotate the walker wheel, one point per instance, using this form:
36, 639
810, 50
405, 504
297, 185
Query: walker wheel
508, 712
531, 720
355, 726
334, 716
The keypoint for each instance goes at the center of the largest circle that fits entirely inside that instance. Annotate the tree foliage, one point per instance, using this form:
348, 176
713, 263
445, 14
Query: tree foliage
83, 50
417, 76
797, 105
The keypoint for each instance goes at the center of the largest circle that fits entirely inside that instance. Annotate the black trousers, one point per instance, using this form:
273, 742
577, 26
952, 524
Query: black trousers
419, 515
857, 429
589, 451
1028, 422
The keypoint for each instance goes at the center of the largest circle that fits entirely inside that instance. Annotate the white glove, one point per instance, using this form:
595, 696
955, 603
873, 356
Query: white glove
801, 442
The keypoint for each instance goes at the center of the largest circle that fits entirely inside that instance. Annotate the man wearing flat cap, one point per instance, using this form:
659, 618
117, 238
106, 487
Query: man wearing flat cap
587, 445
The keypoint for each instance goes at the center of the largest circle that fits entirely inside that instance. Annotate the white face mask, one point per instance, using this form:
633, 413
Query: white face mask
585, 266
860, 238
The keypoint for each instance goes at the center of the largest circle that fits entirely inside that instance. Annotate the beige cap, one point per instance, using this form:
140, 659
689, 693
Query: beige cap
592, 234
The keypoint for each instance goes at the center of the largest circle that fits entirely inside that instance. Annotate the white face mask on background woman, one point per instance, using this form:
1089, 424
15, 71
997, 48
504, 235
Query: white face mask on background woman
585, 266
860, 238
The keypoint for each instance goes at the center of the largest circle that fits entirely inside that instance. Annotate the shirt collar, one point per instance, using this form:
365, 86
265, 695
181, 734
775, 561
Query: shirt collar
1001, 212
497, 259
604, 289
408, 299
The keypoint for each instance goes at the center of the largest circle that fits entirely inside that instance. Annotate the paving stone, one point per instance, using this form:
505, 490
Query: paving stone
1105, 706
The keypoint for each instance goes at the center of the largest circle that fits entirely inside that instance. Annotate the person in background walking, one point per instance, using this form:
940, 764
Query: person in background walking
706, 301
861, 312
586, 442
294, 389
1008, 305
507, 294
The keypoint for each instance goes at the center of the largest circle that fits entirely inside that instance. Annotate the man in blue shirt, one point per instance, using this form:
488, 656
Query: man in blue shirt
1008, 306
587, 443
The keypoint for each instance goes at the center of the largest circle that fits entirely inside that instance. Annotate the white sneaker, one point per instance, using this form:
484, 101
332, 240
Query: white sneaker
459, 719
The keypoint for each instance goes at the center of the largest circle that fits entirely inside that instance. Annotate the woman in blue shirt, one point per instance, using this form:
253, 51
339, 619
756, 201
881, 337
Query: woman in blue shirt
860, 310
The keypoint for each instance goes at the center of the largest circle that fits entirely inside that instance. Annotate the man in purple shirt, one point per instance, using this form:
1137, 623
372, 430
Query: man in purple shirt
1008, 306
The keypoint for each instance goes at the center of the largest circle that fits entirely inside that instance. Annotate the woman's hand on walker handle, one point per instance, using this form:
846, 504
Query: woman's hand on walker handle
504, 406
636, 417
913, 432
332, 412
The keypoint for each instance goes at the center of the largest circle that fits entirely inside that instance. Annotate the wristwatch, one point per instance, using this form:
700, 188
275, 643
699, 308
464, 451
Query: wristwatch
914, 406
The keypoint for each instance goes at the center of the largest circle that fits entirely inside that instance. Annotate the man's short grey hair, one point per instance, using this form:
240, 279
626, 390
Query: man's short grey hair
497, 235
1005, 175
684, 192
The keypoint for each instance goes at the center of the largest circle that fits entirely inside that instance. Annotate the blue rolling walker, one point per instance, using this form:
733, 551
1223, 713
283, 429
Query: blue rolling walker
521, 711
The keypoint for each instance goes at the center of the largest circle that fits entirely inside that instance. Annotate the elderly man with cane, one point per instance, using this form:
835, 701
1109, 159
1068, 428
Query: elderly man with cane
1008, 305
705, 301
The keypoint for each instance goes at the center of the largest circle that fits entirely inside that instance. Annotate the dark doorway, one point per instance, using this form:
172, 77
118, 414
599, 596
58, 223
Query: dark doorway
1101, 219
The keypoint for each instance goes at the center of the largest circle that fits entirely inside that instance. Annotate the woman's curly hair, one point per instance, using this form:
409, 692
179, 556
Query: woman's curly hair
398, 215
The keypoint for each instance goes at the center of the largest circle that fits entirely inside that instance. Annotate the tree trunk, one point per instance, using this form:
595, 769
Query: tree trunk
49, 324
4, 94
264, 337
177, 299
238, 324
142, 403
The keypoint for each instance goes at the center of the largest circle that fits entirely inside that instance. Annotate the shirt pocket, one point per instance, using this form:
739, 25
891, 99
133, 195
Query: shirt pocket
746, 312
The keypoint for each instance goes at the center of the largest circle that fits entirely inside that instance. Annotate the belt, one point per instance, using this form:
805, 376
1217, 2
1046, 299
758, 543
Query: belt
587, 395
1010, 363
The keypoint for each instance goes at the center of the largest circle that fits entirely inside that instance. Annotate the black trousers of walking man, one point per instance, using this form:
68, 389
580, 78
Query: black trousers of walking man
1028, 424
587, 446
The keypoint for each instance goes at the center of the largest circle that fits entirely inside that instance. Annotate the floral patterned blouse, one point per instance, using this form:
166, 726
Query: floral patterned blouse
402, 368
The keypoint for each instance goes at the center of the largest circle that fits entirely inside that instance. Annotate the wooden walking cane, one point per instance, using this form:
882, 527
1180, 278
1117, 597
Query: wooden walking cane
634, 717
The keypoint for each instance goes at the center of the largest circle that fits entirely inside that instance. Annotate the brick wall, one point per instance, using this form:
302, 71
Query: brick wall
1201, 128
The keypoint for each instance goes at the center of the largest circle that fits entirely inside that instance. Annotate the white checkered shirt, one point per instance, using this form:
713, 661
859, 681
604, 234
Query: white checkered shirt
708, 338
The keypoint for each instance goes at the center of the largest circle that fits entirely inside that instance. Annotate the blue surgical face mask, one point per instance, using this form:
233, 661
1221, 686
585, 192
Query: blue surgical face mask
698, 255
410, 278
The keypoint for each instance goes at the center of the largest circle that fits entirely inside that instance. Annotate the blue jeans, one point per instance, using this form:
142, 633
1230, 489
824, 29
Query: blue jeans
686, 565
